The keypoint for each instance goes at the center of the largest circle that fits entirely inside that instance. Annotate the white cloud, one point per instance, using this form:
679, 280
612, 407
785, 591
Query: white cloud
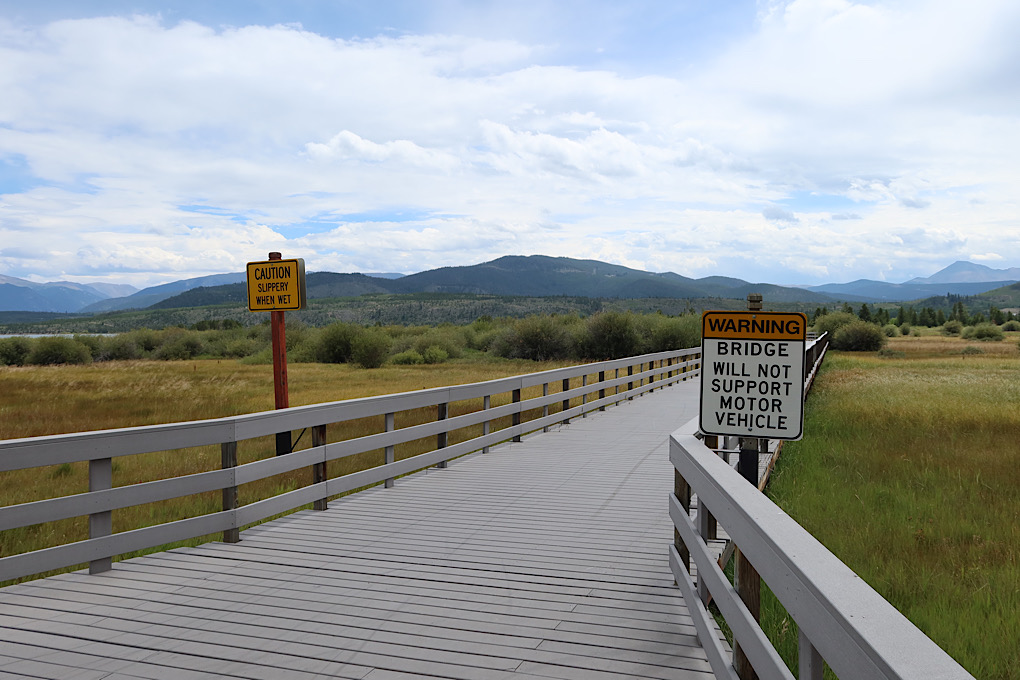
163, 149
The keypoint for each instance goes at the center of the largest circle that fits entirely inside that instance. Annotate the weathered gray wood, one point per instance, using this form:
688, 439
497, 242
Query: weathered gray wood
319, 474
389, 454
486, 571
486, 424
228, 463
717, 655
26, 564
765, 659
76, 505
100, 522
809, 662
858, 633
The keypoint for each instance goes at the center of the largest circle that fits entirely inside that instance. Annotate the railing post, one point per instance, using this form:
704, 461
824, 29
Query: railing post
651, 378
809, 665
682, 491
566, 402
584, 395
319, 469
390, 450
545, 407
100, 523
441, 438
707, 526
515, 418
228, 459
602, 391
630, 385
486, 405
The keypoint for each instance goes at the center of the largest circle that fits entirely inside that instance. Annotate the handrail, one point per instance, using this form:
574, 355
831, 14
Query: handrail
100, 447
842, 620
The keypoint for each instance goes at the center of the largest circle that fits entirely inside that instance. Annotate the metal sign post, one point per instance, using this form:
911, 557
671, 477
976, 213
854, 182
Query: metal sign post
274, 286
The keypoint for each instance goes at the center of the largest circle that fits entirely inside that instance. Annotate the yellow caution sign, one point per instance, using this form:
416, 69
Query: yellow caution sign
276, 285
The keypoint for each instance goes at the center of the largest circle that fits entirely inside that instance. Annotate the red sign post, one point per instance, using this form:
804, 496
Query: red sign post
274, 286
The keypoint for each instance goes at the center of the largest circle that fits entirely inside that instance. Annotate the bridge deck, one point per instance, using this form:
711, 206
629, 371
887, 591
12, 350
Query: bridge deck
542, 559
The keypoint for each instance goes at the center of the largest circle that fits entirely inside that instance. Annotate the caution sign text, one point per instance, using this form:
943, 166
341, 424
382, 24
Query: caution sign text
276, 285
752, 380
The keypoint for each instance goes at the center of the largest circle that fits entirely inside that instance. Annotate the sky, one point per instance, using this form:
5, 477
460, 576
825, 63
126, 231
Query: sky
779, 141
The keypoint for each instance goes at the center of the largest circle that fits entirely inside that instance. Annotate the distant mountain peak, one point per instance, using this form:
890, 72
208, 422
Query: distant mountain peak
963, 271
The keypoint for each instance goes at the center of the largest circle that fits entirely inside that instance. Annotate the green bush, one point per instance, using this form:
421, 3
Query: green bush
887, 353
674, 332
985, 332
179, 345
833, 321
58, 350
336, 343
538, 338
610, 335
371, 348
146, 339
434, 355
859, 336
952, 327
95, 343
408, 358
121, 348
971, 350
1011, 325
905, 329
451, 339
14, 351
890, 330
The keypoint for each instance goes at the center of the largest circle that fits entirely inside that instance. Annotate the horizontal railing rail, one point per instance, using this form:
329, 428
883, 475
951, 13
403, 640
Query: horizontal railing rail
616, 381
842, 621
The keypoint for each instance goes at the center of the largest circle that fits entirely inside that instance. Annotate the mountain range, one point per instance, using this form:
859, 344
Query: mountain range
536, 276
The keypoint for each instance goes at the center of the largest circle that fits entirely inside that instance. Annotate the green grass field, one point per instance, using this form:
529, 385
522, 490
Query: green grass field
910, 473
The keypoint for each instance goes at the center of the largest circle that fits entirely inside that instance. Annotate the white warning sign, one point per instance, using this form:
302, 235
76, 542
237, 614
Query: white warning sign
752, 374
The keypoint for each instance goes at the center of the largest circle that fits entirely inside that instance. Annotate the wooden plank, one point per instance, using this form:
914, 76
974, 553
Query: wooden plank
542, 559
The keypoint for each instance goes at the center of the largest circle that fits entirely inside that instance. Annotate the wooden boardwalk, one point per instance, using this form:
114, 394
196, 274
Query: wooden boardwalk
542, 559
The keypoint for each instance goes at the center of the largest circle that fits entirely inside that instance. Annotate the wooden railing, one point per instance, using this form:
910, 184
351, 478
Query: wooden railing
841, 619
612, 381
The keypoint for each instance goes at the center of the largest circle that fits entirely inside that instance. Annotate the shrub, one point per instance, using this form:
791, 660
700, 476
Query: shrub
450, 339
674, 332
859, 336
121, 348
984, 331
371, 348
14, 351
887, 353
970, 350
833, 321
408, 358
1011, 325
146, 339
336, 343
538, 338
93, 342
952, 327
905, 329
890, 330
610, 335
58, 350
179, 345
434, 355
